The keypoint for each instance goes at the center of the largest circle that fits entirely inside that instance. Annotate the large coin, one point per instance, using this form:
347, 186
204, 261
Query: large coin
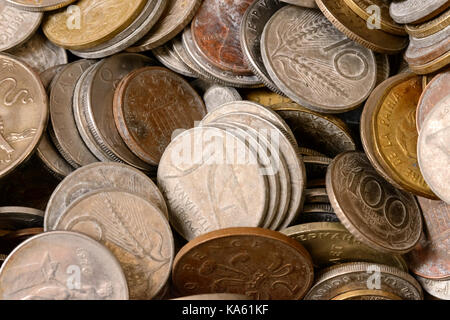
16, 26
433, 148
40, 5
314, 64
23, 112
43, 268
376, 213
212, 180
329, 243
357, 29
100, 176
415, 11
177, 15
362, 276
92, 23
236, 260
133, 229
147, 110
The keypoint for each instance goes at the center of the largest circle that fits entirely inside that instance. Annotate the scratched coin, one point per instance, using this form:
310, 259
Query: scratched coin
16, 26
376, 213
23, 112
216, 95
41, 5
147, 110
414, 11
42, 267
203, 265
314, 64
133, 229
355, 276
437, 288
329, 243
99, 176
209, 189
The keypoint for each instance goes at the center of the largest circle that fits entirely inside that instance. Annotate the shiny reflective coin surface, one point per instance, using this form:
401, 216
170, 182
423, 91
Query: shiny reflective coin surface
167, 56
437, 288
215, 96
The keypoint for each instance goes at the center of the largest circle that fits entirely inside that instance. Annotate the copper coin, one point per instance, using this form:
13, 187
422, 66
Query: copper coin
149, 105
216, 32
436, 90
259, 263
430, 258
376, 213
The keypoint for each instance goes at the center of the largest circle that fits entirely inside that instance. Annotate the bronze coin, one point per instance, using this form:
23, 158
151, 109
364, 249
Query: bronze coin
149, 105
430, 258
259, 263
216, 33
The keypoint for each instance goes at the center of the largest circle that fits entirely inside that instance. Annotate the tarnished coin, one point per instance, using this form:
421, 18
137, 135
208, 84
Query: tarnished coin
232, 260
135, 231
212, 180
147, 110
215, 296
49, 155
329, 243
437, 288
216, 95
425, 50
252, 26
318, 207
310, 152
314, 64
302, 3
41, 267
383, 67
263, 96
415, 11
324, 133
99, 176
167, 56
40, 53
23, 112
98, 21
317, 217
348, 22
16, 26
16, 218
364, 9
316, 195
316, 167
433, 148
64, 130
430, 27
215, 31
40, 5
436, 90
337, 280
376, 213
389, 134
177, 15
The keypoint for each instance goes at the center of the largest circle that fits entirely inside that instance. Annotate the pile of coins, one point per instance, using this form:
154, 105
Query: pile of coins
224, 150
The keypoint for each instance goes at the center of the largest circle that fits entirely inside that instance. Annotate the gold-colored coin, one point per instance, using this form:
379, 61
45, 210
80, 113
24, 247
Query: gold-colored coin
430, 27
263, 96
362, 9
330, 243
389, 134
432, 66
92, 23
367, 295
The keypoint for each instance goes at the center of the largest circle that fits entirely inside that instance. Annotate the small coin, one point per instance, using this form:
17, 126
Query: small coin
37, 270
41, 5
314, 64
215, 296
135, 231
324, 133
216, 95
430, 27
201, 267
317, 208
376, 213
357, 29
177, 15
437, 288
337, 280
329, 243
16, 218
16, 26
302, 3
147, 110
414, 11
263, 96
167, 56
23, 114
436, 90
98, 176
101, 21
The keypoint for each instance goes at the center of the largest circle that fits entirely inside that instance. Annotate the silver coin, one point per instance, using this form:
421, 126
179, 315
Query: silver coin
16, 218
63, 131
441, 35
315, 64
318, 208
42, 268
316, 195
100, 176
40, 53
253, 22
16, 26
51, 158
222, 77
134, 32
39, 5
48, 75
216, 95
410, 11
302, 3
437, 288
169, 59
